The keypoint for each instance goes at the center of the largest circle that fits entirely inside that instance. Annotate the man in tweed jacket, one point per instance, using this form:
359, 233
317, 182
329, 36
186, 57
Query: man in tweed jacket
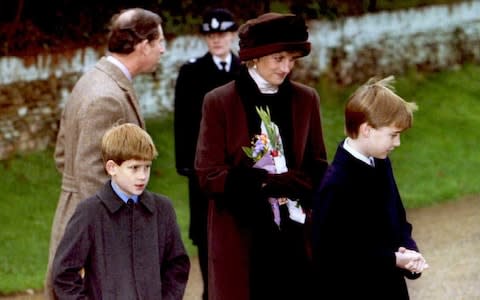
102, 97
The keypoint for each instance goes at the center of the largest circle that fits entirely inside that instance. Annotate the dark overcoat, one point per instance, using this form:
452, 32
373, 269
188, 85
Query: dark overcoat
359, 222
224, 131
127, 252
195, 79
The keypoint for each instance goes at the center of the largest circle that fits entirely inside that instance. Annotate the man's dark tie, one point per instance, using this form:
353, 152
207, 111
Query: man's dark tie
223, 66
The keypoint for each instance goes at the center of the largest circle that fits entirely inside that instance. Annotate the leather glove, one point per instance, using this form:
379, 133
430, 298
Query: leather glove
244, 181
292, 184
243, 196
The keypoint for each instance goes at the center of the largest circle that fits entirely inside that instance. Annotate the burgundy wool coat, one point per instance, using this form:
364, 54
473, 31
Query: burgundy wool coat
223, 132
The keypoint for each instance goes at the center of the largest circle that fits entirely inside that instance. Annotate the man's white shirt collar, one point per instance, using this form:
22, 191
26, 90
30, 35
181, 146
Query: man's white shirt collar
121, 66
217, 60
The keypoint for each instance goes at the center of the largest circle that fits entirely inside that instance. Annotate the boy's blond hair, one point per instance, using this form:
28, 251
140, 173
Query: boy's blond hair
376, 104
127, 141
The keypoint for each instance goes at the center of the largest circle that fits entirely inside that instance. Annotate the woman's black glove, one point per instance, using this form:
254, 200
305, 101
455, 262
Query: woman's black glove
243, 196
241, 182
292, 184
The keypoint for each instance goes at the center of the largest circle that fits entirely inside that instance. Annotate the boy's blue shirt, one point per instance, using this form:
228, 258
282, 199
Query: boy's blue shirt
122, 195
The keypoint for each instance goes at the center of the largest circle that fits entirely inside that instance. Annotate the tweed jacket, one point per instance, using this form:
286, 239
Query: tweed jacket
127, 252
224, 131
103, 96
359, 222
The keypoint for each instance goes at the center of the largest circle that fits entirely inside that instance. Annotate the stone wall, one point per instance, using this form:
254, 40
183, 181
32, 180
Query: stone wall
29, 114
33, 90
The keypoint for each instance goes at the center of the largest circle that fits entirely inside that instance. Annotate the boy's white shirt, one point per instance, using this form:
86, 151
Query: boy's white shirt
356, 154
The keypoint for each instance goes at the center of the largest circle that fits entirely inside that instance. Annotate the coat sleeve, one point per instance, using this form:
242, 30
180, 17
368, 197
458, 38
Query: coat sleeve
176, 263
71, 256
405, 228
183, 104
59, 155
210, 160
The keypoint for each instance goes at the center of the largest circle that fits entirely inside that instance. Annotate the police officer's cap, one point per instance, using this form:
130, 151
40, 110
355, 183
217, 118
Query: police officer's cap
218, 20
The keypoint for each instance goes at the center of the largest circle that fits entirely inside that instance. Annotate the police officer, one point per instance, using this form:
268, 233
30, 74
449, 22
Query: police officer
197, 77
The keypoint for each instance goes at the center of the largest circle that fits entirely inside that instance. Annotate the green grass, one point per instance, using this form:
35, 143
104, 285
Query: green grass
30, 187
437, 162
438, 159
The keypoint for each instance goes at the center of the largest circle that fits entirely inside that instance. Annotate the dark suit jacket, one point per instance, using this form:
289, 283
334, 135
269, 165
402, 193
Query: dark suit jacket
223, 132
359, 222
126, 251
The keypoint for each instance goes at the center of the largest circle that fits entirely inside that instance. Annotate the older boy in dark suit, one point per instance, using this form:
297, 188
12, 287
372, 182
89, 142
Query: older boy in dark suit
363, 245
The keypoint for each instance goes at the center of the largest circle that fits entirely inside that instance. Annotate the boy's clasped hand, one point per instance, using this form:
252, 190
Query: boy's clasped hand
411, 260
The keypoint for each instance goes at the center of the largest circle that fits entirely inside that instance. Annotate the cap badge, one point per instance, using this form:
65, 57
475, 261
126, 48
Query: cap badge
214, 24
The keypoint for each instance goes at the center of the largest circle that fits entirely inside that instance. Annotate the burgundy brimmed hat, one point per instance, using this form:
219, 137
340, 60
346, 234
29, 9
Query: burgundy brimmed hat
272, 33
218, 20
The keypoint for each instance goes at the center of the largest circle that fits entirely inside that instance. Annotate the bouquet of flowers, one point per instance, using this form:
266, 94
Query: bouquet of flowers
267, 153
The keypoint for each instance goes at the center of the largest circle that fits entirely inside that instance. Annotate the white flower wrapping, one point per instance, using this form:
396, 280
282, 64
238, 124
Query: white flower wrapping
278, 165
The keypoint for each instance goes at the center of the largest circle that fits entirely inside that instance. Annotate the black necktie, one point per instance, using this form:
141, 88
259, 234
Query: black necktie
223, 67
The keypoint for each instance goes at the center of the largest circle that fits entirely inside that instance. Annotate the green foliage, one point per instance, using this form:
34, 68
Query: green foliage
436, 162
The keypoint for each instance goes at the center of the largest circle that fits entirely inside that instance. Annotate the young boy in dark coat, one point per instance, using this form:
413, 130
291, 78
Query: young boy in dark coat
124, 241
363, 245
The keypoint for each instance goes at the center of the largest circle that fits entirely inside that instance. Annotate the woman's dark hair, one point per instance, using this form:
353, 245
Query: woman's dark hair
130, 27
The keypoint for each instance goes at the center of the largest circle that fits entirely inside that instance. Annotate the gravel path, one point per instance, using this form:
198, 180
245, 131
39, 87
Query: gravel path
448, 236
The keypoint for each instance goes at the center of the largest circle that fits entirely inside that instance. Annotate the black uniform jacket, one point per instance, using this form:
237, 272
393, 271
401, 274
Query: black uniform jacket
194, 80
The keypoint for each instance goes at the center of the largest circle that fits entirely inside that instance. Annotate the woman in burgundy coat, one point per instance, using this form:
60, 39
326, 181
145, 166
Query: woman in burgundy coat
251, 256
